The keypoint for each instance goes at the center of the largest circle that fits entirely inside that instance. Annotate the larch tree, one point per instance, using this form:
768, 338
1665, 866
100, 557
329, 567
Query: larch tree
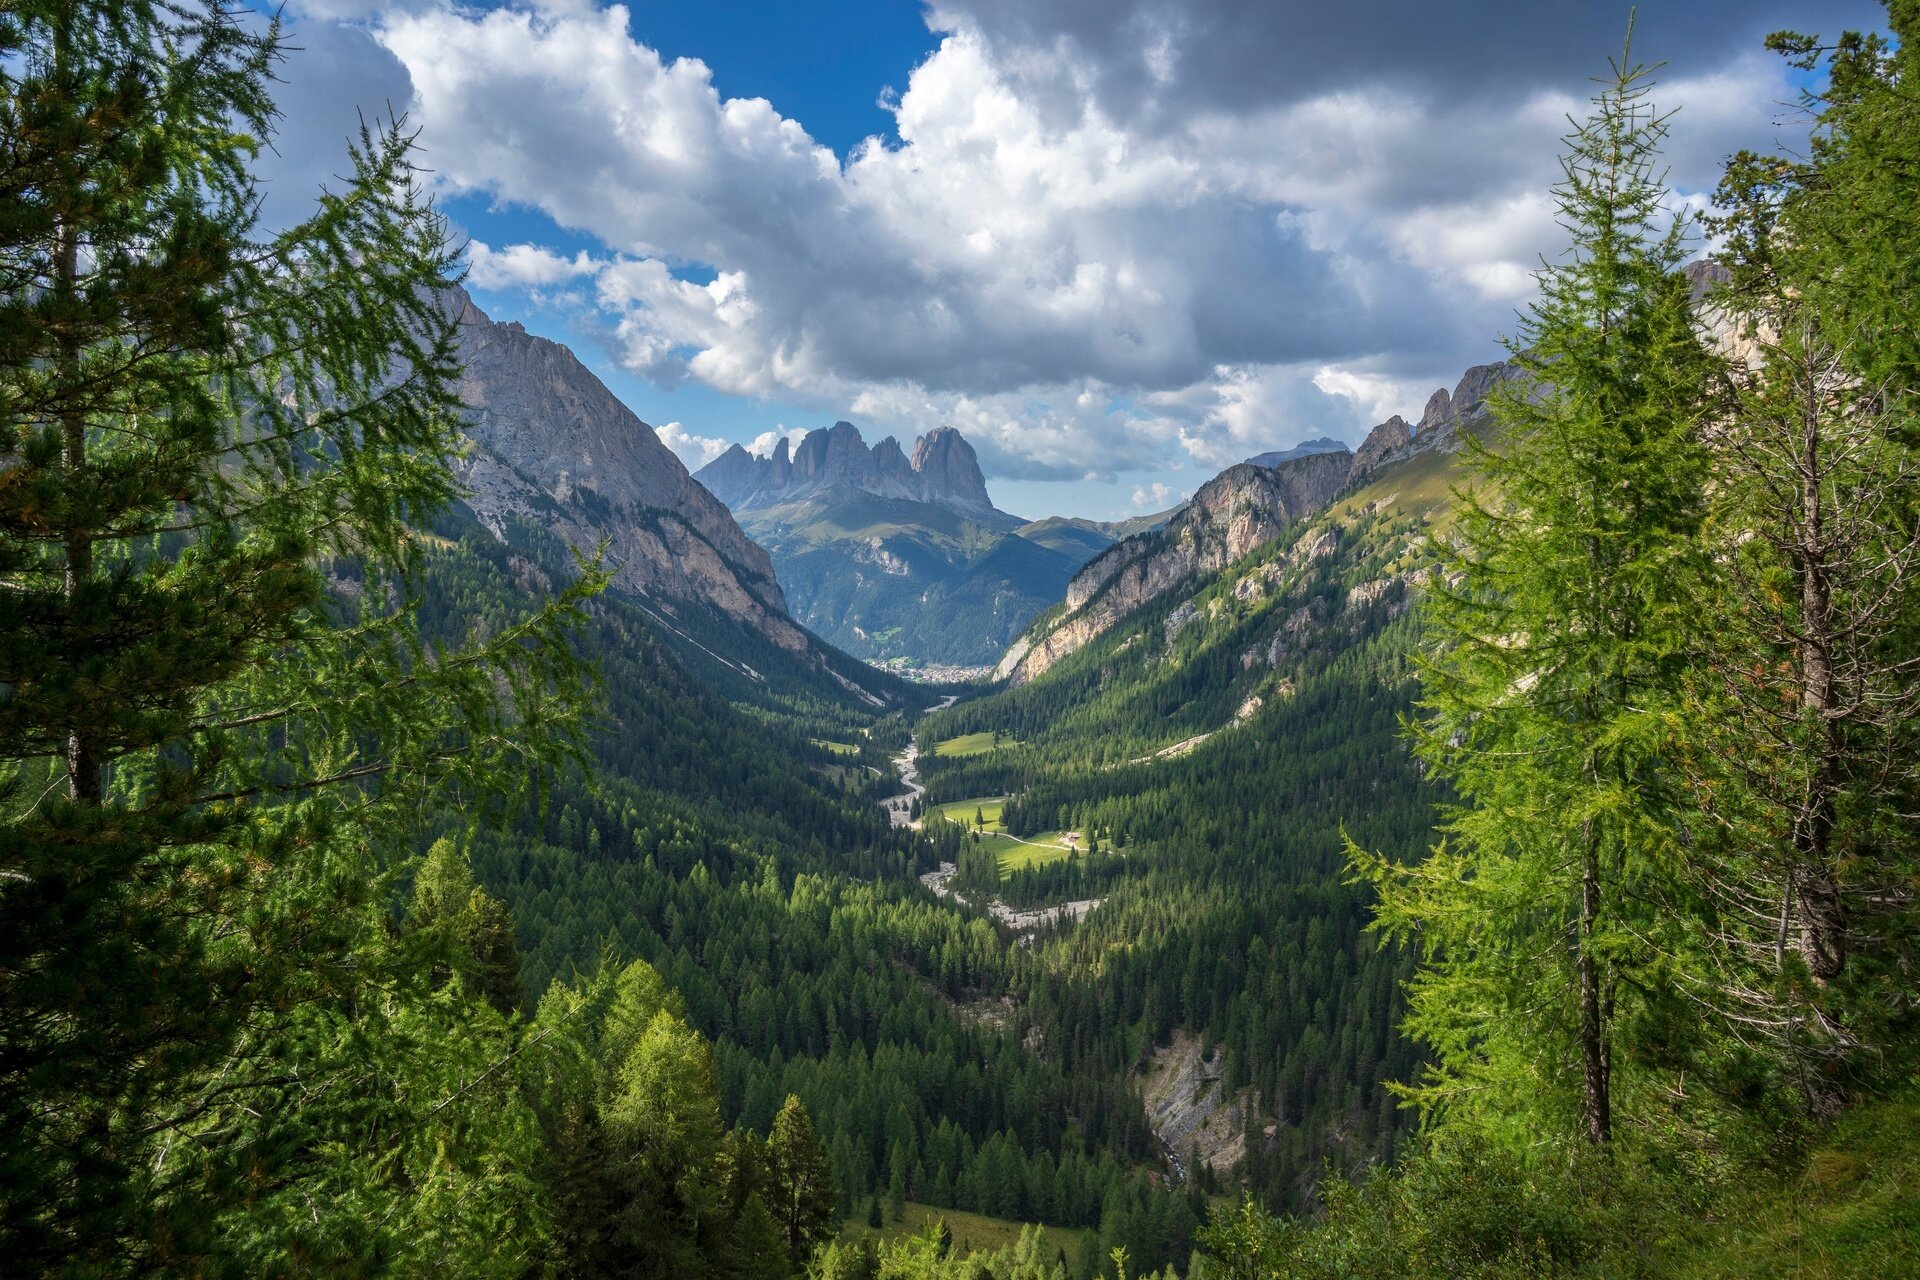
1562, 631
801, 1180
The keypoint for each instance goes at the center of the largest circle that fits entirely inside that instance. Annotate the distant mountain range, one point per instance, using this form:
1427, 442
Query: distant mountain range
834, 463
898, 558
1306, 448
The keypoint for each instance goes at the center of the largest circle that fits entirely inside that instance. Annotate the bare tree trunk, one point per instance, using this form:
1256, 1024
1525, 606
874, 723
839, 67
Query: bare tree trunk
1599, 1106
83, 757
1822, 940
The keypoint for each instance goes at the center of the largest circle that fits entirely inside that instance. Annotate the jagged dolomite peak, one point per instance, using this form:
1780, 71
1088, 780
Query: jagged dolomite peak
1390, 439
943, 470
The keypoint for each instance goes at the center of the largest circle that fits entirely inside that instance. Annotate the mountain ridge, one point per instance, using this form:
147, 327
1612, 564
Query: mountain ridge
943, 471
550, 446
1245, 505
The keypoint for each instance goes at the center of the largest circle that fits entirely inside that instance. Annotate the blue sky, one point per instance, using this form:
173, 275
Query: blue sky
1119, 243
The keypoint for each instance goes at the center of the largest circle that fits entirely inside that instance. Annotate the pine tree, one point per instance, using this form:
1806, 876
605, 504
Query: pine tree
801, 1182
1550, 701
212, 753
897, 1183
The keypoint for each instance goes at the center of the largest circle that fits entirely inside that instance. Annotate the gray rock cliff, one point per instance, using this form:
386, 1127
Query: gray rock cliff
551, 445
1230, 515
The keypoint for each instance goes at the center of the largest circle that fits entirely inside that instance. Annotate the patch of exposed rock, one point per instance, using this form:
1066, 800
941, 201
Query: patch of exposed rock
1391, 439
1183, 1092
1440, 423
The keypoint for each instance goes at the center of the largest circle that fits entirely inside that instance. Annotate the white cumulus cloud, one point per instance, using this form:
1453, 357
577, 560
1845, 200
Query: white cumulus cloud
1085, 283
695, 451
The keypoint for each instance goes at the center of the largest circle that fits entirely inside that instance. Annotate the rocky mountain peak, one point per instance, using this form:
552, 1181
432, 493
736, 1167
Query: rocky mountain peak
550, 445
948, 466
1389, 440
943, 470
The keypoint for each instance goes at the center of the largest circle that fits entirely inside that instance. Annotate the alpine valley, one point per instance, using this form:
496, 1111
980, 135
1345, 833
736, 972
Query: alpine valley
440, 835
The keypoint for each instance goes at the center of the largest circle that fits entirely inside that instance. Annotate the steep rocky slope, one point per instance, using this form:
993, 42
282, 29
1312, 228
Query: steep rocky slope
552, 449
1239, 509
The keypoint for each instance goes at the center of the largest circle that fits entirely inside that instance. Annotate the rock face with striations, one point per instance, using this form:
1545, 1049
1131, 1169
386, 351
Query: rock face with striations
1230, 515
1234, 512
551, 445
835, 461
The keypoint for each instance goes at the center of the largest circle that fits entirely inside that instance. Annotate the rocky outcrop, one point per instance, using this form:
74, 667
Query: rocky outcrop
835, 462
1703, 277
1386, 442
1183, 1091
949, 471
1446, 413
548, 443
1233, 513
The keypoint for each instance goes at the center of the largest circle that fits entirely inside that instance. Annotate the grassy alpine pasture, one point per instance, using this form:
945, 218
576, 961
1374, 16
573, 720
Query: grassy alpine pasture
1015, 852
973, 744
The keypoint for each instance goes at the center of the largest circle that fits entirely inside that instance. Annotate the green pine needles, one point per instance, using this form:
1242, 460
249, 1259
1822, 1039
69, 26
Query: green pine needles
1674, 683
219, 728
1551, 698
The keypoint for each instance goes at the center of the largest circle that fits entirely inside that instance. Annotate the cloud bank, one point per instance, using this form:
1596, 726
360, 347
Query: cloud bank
1110, 237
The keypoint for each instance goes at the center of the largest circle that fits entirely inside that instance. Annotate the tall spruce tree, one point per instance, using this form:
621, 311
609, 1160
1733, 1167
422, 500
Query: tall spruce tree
1549, 699
1809, 690
218, 727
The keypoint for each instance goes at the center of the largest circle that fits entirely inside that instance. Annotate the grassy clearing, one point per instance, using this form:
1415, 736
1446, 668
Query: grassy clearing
962, 812
1015, 853
1854, 1210
973, 744
1015, 857
837, 748
972, 1232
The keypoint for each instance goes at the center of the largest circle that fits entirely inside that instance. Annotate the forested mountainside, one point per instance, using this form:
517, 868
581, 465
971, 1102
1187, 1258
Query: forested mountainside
1209, 745
740, 851
895, 558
